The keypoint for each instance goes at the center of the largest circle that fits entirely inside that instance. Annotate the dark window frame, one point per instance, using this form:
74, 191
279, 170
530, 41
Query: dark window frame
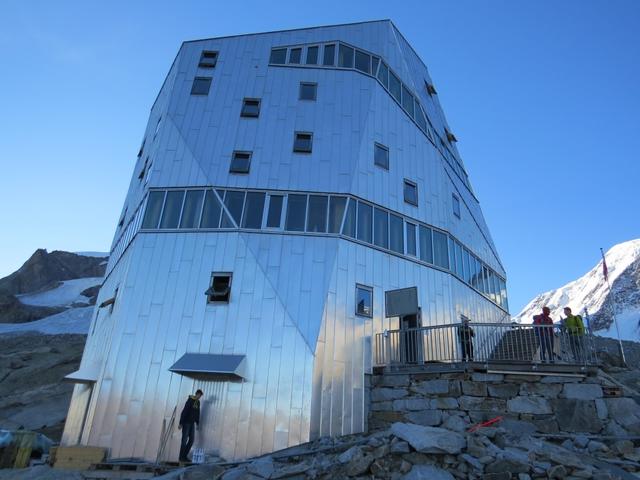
195, 91
455, 202
223, 298
376, 147
208, 59
315, 91
406, 182
278, 51
365, 288
238, 154
297, 148
299, 52
245, 104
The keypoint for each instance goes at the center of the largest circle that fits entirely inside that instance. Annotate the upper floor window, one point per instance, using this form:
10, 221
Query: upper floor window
410, 192
308, 90
302, 142
208, 59
381, 156
141, 151
345, 56
201, 86
456, 205
278, 56
312, 55
250, 107
364, 301
363, 62
295, 55
328, 60
219, 290
395, 86
431, 90
240, 162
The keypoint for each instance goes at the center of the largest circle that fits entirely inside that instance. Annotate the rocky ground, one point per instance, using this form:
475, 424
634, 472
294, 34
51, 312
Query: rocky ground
32, 395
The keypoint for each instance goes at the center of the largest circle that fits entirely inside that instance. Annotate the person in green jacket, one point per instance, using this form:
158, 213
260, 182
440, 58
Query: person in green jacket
575, 330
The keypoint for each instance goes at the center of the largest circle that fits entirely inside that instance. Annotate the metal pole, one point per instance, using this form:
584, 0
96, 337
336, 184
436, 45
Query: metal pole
613, 314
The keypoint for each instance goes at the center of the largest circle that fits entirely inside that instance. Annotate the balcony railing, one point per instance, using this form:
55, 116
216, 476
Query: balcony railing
490, 343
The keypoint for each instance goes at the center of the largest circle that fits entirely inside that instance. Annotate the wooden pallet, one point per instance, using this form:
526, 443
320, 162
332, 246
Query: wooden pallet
612, 392
78, 457
125, 470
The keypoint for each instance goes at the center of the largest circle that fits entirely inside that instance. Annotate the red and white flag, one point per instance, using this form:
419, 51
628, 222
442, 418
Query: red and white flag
605, 270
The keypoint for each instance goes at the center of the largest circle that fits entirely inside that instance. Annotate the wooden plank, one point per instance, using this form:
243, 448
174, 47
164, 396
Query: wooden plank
8, 456
79, 457
24, 442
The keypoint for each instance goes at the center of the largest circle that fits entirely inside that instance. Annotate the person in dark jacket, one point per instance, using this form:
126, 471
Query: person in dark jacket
544, 331
465, 336
189, 418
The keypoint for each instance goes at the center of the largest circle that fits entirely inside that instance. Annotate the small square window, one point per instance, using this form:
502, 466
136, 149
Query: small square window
381, 156
201, 86
295, 55
208, 59
364, 301
250, 107
220, 289
456, 205
308, 90
431, 90
278, 56
240, 162
302, 142
410, 192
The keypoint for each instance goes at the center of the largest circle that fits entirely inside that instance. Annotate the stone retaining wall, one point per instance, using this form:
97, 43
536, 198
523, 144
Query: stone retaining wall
527, 403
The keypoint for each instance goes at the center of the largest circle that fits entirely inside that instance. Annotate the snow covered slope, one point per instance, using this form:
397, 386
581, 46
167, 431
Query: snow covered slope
591, 292
66, 294
74, 320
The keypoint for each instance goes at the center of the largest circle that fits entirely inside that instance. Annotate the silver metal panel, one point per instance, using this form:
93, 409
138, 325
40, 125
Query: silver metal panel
292, 308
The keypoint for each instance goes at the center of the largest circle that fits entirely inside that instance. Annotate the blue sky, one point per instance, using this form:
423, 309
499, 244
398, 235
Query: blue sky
543, 96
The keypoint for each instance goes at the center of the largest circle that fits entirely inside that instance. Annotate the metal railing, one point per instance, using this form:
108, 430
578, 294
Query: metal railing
484, 342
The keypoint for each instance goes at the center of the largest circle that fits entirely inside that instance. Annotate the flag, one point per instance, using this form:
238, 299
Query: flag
605, 270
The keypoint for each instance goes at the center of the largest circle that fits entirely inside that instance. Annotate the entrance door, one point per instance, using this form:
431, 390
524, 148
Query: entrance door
410, 339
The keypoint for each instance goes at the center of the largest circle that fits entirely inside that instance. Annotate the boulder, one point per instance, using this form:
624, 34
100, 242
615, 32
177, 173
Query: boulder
455, 423
576, 415
427, 472
534, 405
625, 411
429, 439
557, 471
359, 465
262, 467
582, 391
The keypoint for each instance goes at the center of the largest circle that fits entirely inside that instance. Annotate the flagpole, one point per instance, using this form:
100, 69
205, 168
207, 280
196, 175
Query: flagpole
613, 306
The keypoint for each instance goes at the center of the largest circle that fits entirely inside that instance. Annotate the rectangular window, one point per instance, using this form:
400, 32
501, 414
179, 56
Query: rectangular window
410, 192
211, 211
253, 208
381, 228
411, 239
172, 208
278, 56
407, 100
456, 205
426, 246
381, 156
485, 280
240, 162
275, 211
452, 255
375, 61
420, 118
459, 260
317, 213
345, 56
349, 228
250, 107
154, 208
440, 250
364, 301
308, 90
396, 234
208, 59
363, 62
201, 86
312, 56
233, 200
365, 223
295, 55
302, 142
383, 75
220, 288
296, 212
328, 60
336, 212
503, 294
192, 209
467, 266
395, 87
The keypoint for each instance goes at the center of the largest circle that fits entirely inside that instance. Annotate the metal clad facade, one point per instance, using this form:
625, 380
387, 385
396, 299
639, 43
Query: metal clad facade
292, 306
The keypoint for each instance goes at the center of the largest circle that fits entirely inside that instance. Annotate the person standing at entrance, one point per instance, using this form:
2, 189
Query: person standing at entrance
189, 419
465, 336
575, 331
544, 331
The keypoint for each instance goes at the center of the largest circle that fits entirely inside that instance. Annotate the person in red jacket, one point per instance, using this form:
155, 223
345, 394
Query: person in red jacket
189, 418
544, 332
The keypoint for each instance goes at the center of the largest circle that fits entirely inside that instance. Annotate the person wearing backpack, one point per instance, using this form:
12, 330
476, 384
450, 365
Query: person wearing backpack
543, 324
574, 327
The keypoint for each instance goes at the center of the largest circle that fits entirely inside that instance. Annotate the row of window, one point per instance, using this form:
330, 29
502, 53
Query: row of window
321, 214
342, 55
